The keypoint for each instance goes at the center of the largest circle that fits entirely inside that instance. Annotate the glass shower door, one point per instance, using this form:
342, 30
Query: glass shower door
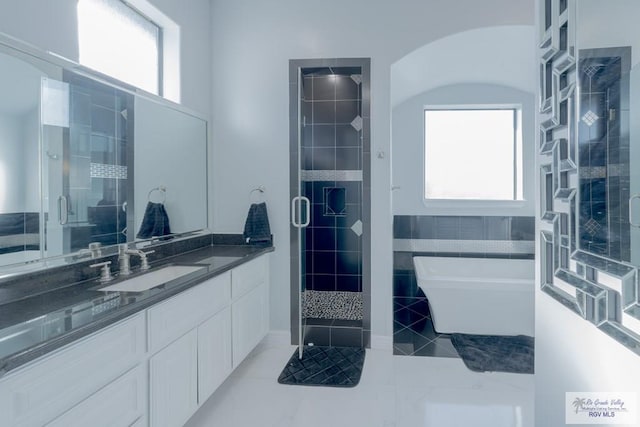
300, 219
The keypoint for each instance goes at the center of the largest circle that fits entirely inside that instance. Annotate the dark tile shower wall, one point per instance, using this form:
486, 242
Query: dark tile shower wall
413, 332
603, 153
19, 232
332, 144
332, 168
97, 156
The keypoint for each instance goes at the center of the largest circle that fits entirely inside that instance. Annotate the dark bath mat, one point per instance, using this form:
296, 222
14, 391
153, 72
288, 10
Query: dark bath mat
493, 353
324, 366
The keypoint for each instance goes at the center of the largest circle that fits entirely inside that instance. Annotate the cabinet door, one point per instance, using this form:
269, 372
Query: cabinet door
173, 386
214, 353
176, 316
119, 404
250, 320
32, 396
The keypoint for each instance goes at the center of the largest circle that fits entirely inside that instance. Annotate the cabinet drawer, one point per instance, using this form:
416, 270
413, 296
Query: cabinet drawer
176, 316
248, 276
119, 404
45, 389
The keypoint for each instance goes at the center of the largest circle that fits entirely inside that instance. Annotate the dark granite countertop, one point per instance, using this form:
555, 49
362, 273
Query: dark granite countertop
35, 326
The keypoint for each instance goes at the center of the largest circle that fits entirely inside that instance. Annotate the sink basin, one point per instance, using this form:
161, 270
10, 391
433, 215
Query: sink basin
152, 279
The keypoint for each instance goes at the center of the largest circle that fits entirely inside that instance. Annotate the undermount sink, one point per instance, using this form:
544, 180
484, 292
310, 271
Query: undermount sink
152, 279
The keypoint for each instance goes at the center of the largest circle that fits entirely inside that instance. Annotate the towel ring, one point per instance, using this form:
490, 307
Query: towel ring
162, 190
260, 190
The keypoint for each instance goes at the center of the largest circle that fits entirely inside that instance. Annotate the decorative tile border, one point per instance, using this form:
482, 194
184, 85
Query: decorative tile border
330, 175
333, 305
464, 246
600, 290
100, 170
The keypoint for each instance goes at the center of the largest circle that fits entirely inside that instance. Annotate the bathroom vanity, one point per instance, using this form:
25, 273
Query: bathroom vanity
147, 358
89, 154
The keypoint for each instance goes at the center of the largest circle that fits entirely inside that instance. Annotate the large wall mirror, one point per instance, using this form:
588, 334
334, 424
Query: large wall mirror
84, 159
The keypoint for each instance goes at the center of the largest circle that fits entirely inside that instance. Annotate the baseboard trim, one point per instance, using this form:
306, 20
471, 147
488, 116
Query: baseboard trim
277, 338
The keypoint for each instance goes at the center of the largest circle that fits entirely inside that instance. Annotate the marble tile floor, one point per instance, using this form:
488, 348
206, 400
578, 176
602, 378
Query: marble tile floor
395, 391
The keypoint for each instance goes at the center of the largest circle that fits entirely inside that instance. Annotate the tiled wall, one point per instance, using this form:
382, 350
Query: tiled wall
329, 137
332, 156
19, 232
98, 156
603, 152
449, 236
456, 236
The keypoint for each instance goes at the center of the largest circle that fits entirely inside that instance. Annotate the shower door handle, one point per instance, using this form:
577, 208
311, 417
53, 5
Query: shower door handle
295, 201
631, 199
307, 211
295, 219
63, 210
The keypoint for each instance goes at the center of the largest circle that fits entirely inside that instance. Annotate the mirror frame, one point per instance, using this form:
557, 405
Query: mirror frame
600, 290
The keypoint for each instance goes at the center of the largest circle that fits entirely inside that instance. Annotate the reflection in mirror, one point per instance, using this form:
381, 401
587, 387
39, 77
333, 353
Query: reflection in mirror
170, 170
79, 156
20, 219
86, 173
609, 90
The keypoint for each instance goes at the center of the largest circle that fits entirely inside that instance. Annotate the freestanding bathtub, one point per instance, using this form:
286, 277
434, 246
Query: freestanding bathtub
484, 296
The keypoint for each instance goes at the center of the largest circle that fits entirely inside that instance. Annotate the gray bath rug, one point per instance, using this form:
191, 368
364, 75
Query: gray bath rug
494, 353
324, 366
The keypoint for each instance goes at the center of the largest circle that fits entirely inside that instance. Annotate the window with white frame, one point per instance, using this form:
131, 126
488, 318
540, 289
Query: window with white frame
119, 41
473, 154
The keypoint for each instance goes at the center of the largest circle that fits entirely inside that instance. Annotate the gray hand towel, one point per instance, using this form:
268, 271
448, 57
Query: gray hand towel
256, 227
155, 222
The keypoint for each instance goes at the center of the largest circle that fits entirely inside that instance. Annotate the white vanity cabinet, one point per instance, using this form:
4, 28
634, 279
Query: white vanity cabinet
198, 337
153, 369
38, 393
187, 372
122, 402
194, 360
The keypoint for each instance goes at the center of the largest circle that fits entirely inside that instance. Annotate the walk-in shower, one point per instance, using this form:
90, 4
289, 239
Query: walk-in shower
330, 202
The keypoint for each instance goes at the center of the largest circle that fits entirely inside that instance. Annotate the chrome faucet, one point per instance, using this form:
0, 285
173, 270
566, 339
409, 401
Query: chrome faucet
124, 259
105, 272
95, 251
